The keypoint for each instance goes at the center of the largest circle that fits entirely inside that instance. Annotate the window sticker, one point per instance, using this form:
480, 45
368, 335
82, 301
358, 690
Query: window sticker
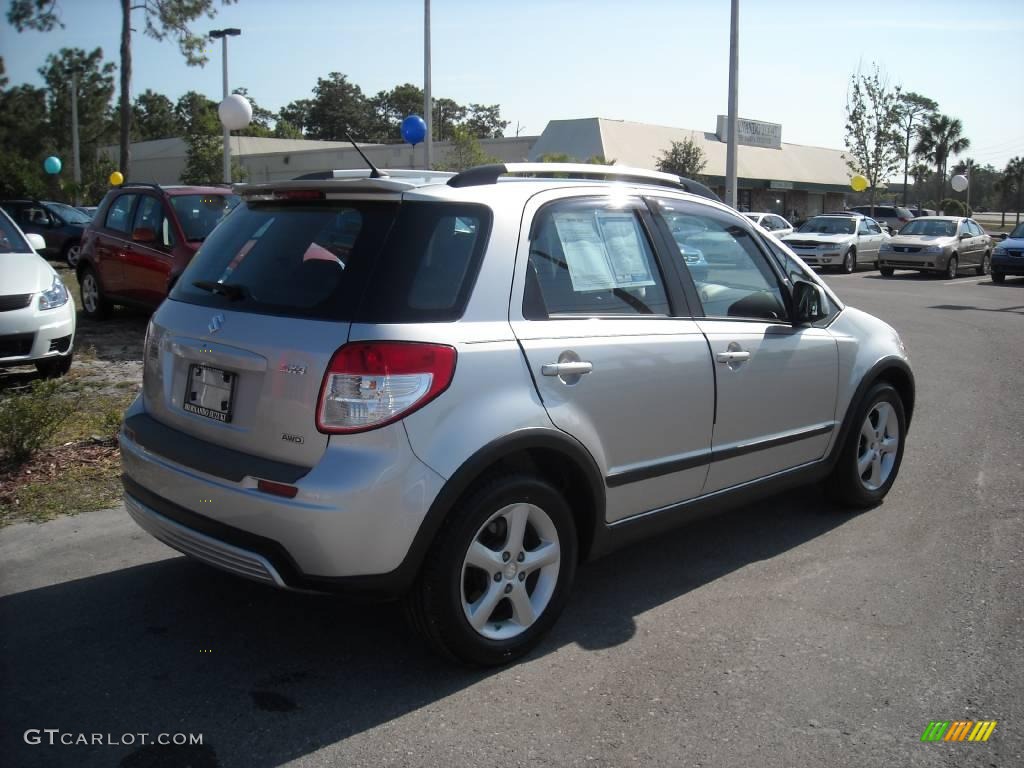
603, 250
624, 243
585, 254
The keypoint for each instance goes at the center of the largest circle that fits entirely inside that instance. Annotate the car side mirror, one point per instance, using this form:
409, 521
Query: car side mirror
144, 235
37, 242
808, 303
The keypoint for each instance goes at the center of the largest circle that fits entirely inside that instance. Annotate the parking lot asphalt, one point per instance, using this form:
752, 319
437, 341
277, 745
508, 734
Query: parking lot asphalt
786, 633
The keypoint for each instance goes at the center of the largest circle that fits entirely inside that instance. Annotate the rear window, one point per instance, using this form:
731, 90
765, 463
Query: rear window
341, 260
199, 214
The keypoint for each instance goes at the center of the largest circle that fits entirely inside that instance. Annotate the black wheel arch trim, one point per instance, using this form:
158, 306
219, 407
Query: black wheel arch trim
876, 373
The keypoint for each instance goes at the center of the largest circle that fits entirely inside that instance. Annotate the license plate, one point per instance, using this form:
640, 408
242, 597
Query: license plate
210, 392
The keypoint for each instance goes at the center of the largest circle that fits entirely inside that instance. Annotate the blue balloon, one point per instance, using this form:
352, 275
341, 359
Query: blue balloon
414, 130
52, 164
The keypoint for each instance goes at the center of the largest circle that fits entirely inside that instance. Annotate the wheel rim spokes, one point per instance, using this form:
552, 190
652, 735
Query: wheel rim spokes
878, 446
89, 293
510, 571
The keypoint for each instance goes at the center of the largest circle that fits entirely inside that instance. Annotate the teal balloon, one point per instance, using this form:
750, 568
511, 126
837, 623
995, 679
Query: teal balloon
414, 130
52, 164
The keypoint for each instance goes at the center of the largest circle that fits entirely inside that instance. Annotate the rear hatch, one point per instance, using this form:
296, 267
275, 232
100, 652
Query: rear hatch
238, 353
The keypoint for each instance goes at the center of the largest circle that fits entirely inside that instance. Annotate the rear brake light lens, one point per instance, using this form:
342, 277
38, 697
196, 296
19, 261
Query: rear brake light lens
370, 384
299, 194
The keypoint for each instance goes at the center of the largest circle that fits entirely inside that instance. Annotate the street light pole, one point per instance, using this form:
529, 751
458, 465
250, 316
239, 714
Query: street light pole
428, 111
731, 194
223, 35
76, 158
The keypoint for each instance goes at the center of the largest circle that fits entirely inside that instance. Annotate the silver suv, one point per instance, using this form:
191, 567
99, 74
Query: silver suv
454, 388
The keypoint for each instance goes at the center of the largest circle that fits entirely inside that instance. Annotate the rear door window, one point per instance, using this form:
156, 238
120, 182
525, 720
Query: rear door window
119, 215
592, 258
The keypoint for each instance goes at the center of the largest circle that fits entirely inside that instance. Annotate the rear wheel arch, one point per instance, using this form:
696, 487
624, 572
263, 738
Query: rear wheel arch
552, 456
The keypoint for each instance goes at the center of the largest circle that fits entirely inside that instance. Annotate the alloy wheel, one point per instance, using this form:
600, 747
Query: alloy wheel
878, 446
951, 268
72, 255
90, 293
510, 571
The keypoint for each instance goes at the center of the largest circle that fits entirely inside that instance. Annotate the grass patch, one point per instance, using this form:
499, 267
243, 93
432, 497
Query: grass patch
77, 470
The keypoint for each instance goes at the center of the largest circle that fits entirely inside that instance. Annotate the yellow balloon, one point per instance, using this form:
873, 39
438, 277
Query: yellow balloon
859, 183
116, 179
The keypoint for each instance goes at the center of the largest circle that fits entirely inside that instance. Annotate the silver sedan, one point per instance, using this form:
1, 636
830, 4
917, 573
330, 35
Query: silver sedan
943, 244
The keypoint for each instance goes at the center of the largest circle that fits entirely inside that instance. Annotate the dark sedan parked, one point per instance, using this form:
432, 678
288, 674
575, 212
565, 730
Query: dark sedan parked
61, 225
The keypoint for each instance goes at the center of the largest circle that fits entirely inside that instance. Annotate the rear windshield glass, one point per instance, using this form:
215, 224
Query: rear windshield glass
199, 214
341, 260
829, 225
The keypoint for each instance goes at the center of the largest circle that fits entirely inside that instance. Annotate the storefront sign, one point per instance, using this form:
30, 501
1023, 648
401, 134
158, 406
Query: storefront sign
780, 185
753, 133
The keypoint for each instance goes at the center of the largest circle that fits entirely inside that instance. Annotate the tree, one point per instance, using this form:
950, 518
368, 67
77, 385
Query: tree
683, 158
465, 152
153, 117
390, 108
95, 89
338, 105
163, 19
913, 109
1013, 182
296, 114
484, 121
940, 137
447, 115
872, 128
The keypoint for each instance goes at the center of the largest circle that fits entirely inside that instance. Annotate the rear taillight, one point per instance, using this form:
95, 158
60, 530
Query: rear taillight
370, 384
299, 194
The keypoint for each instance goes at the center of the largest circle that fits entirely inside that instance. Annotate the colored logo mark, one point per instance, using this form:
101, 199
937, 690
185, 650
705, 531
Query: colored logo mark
958, 730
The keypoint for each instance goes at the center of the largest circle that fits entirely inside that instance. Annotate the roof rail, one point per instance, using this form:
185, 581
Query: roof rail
489, 174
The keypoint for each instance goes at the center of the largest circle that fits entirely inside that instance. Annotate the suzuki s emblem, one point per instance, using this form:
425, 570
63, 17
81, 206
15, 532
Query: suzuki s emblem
216, 322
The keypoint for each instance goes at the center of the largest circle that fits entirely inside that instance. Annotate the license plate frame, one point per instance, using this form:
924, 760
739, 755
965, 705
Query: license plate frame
210, 392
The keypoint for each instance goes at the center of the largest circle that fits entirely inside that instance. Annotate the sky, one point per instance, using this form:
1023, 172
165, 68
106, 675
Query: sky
656, 61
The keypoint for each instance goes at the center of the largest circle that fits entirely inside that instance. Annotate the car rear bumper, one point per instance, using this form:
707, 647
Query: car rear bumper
30, 334
350, 525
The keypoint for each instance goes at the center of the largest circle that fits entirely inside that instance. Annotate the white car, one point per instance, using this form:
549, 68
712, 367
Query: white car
772, 223
37, 313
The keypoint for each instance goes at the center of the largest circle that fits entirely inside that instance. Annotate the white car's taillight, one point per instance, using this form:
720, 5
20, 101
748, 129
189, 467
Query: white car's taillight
370, 384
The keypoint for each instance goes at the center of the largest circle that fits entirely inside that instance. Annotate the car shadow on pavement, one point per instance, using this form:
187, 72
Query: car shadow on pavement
269, 676
1018, 310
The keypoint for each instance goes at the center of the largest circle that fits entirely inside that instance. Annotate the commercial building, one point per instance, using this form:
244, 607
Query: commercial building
773, 175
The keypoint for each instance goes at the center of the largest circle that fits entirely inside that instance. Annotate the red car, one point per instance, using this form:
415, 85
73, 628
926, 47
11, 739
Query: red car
140, 240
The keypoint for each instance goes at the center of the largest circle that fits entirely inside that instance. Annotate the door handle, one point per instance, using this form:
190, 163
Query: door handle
577, 368
732, 357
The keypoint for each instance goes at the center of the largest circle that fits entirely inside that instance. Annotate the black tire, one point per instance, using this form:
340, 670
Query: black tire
986, 264
71, 253
887, 271
998, 277
850, 261
434, 606
54, 367
951, 267
844, 485
94, 305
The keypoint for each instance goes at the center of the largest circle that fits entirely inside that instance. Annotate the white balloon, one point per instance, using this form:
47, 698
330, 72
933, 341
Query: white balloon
235, 112
959, 182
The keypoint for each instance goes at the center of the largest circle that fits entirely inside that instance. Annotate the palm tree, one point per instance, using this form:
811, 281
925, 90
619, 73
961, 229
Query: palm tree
919, 173
940, 137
